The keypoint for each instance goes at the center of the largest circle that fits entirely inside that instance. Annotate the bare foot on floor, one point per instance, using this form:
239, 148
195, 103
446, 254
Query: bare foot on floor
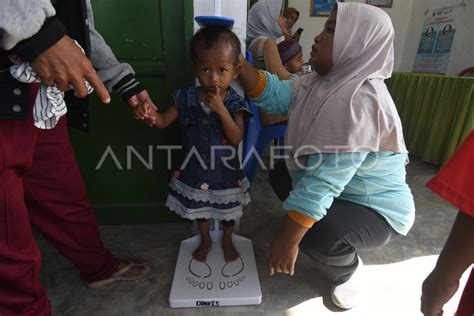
230, 253
200, 254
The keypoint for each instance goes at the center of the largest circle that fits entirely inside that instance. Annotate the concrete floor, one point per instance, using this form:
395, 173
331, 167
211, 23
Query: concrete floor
393, 274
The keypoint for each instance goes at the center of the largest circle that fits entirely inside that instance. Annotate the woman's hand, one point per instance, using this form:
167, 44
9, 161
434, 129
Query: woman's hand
282, 256
285, 247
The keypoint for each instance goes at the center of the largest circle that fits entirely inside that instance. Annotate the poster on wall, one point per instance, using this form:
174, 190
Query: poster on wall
437, 36
380, 3
322, 7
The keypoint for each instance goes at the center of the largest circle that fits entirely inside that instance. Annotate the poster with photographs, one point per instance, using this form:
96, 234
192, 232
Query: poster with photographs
437, 38
321, 7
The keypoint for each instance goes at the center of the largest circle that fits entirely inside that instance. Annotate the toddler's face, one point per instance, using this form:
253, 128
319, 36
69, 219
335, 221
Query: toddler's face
321, 52
215, 67
294, 64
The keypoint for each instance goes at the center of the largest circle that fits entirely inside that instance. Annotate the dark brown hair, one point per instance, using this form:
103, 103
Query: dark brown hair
208, 37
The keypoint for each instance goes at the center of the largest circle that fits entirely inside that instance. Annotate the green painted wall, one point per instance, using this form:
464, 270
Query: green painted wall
153, 37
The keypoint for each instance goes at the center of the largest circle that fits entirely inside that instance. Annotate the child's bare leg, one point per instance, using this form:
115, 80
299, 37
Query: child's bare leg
202, 250
230, 253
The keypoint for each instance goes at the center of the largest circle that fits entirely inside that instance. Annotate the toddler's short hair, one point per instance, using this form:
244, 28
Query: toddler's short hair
288, 49
208, 37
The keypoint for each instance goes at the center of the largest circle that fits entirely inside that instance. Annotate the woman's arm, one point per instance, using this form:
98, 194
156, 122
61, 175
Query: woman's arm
248, 76
268, 92
272, 94
325, 178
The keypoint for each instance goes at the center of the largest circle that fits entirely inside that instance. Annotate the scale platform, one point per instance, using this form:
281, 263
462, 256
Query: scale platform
215, 283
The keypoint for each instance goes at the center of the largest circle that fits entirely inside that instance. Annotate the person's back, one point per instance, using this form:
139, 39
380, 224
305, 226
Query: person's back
377, 182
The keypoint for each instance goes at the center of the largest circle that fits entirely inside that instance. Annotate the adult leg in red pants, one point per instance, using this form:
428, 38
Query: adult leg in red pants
21, 293
58, 206
39, 167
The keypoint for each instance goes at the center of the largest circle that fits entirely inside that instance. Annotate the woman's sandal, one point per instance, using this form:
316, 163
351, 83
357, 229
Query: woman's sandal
120, 274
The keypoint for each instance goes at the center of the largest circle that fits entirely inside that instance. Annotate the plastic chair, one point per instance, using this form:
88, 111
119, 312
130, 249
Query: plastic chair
257, 138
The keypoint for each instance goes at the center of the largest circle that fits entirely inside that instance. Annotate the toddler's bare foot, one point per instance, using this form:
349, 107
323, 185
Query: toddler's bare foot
230, 253
200, 254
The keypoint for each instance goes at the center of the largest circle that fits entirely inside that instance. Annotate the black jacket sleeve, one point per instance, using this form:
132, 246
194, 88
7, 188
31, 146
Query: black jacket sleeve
50, 33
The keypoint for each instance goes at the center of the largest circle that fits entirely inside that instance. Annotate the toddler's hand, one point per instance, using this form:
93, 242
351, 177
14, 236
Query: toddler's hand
144, 112
214, 100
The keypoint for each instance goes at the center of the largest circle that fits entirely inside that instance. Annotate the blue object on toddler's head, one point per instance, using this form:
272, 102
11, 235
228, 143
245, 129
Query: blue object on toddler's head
215, 20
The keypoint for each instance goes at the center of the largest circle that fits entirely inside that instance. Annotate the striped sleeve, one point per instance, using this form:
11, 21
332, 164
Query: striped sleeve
128, 86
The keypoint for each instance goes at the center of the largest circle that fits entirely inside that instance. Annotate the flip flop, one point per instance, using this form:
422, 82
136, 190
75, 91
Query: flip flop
138, 262
120, 274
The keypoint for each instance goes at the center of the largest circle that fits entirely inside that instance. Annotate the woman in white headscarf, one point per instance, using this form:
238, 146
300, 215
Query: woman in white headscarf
265, 25
347, 157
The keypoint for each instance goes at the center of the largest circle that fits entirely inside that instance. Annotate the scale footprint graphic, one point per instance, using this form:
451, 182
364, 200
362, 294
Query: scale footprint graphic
203, 270
199, 269
233, 268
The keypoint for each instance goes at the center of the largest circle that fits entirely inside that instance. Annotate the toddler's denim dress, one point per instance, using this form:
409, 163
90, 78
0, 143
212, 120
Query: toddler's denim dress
210, 182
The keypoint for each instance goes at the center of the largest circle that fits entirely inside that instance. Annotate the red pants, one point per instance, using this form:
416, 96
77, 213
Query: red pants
40, 185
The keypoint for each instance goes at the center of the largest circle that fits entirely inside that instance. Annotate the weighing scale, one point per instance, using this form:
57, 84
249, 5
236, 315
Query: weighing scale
215, 282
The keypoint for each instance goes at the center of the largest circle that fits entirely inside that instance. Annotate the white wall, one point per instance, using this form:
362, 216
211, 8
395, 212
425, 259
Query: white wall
312, 25
462, 51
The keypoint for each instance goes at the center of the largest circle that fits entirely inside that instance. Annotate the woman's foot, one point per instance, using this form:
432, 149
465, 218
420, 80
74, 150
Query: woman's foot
200, 254
230, 253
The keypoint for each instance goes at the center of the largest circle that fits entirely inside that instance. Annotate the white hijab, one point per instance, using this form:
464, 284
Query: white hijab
350, 108
263, 20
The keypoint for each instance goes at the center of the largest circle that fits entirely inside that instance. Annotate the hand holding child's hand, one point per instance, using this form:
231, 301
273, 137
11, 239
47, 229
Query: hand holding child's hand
141, 98
213, 99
